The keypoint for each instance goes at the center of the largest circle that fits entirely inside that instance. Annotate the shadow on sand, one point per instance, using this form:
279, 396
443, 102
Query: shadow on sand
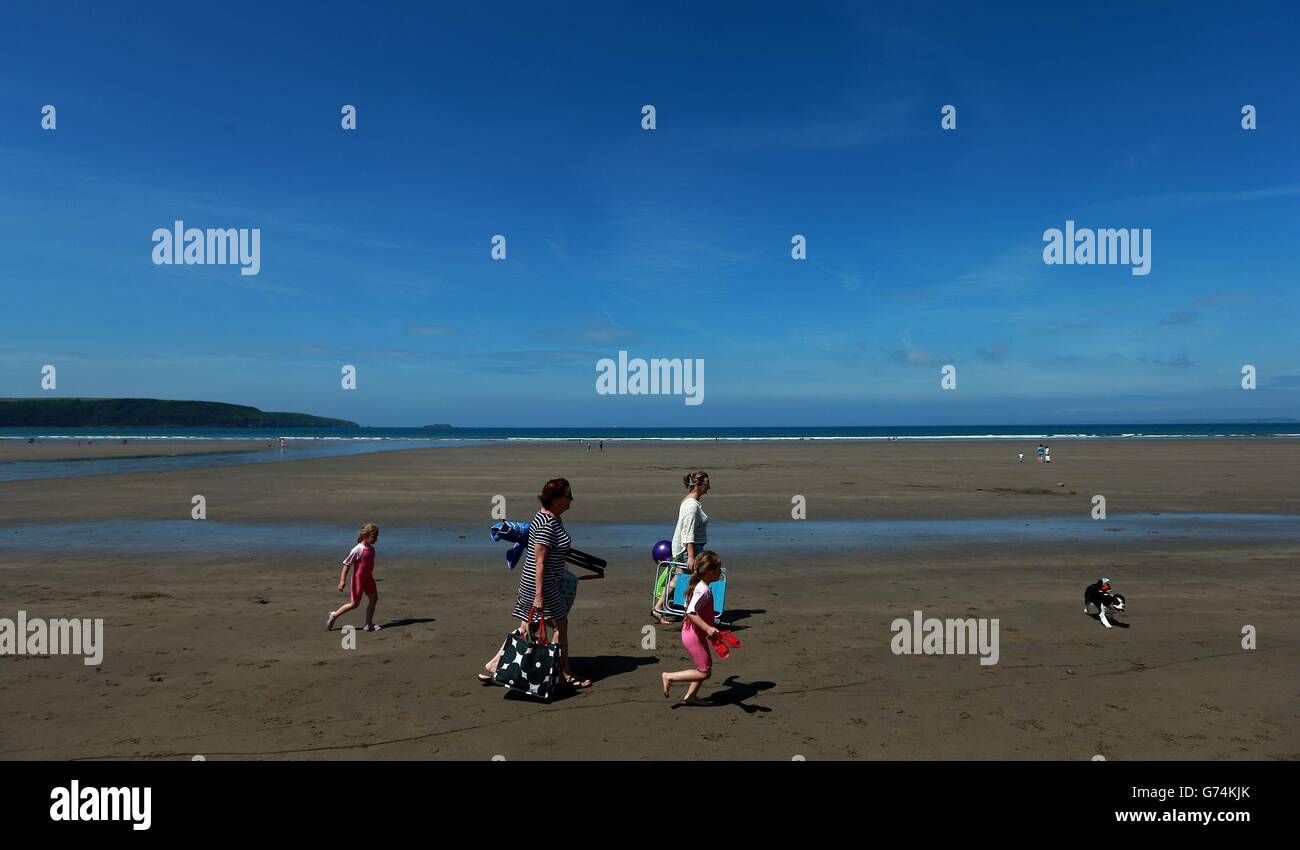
734, 615
397, 624
597, 668
1116, 623
735, 693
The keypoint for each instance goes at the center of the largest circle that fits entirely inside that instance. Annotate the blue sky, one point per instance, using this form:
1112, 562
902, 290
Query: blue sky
924, 245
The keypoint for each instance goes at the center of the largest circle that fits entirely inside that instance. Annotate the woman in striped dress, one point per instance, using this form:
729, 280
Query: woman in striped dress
541, 586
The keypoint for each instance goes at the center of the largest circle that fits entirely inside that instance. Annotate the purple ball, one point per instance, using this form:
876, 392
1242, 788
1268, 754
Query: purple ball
663, 551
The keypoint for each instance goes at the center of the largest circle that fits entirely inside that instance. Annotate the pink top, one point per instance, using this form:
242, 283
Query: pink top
702, 603
362, 558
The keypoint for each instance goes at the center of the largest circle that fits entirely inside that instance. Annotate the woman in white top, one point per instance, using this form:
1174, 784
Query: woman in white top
692, 530
690, 535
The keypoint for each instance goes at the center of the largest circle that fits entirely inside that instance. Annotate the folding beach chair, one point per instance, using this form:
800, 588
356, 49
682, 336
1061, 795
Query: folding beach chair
675, 602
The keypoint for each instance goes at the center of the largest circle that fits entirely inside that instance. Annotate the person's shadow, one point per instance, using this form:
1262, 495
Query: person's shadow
397, 624
1116, 623
596, 668
731, 616
735, 693
600, 667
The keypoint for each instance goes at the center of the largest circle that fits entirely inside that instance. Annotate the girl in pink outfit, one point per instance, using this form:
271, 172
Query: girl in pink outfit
698, 626
361, 560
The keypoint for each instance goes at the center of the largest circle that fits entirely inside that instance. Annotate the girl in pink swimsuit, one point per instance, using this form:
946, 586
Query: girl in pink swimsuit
698, 626
361, 560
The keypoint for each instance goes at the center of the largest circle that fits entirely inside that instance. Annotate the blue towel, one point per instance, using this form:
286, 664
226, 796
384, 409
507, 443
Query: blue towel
512, 532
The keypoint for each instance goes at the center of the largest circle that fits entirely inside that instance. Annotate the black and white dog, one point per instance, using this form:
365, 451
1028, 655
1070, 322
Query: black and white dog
1100, 595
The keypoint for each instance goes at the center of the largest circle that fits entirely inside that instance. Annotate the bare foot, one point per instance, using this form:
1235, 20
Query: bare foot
667, 684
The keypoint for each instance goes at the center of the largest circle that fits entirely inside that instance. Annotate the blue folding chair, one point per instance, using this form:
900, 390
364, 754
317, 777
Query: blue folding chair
675, 602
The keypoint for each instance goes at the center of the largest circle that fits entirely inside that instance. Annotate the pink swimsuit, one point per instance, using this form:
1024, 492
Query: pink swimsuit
693, 638
362, 561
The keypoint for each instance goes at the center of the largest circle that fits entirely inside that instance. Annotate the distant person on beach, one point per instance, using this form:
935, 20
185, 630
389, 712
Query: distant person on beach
689, 537
1020, 458
602, 445
1047, 455
541, 586
697, 628
361, 560
1042, 450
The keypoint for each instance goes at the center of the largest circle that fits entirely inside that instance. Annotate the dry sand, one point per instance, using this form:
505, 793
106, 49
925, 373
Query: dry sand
224, 653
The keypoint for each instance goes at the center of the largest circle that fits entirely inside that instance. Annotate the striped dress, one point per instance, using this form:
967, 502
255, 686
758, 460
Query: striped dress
550, 532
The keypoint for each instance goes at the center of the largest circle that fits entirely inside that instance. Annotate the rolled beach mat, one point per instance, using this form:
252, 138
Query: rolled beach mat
511, 532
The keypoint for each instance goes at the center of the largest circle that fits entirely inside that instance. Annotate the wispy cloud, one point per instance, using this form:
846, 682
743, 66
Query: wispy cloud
1178, 361
1064, 327
890, 122
849, 281
1218, 299
1239, 196
1178, 318
595, 332
917, 356
557, 248
420, 329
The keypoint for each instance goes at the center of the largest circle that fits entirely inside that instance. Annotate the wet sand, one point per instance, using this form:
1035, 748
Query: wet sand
61, 449
224, 653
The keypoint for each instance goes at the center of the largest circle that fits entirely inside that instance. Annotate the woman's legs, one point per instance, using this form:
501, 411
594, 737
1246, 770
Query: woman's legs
491, 665
492, 662
562, 638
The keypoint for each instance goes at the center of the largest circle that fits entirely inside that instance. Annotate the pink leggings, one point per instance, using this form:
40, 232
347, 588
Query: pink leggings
697, 646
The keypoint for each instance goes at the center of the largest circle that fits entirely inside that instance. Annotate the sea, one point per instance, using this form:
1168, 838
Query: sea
440, 434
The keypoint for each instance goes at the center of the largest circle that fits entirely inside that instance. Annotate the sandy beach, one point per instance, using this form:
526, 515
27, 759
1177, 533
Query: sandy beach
223, 653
